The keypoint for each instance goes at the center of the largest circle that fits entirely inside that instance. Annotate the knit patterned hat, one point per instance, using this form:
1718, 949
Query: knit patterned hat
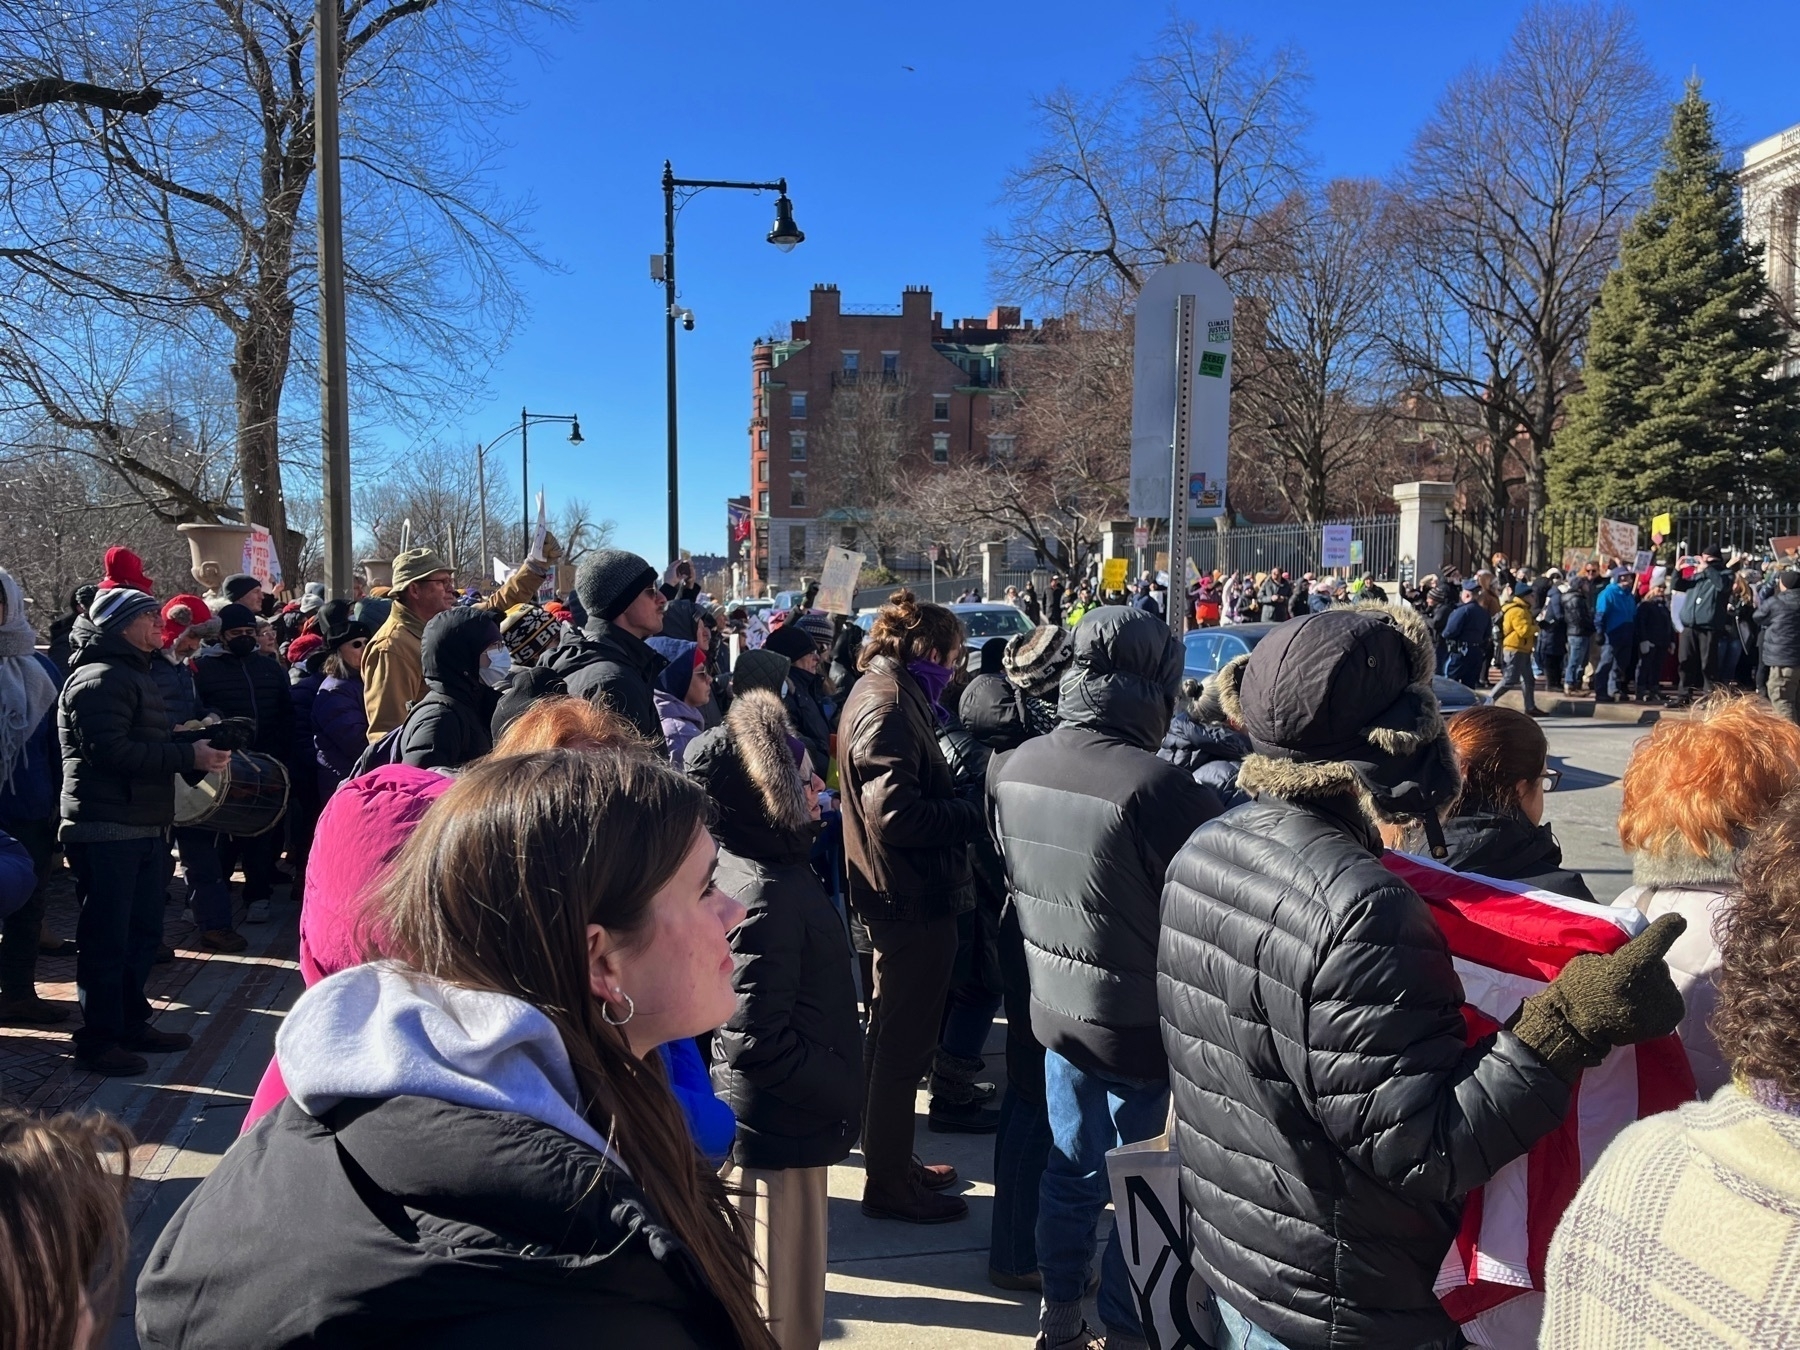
112, 610
529, 631
609, 579
1035, 661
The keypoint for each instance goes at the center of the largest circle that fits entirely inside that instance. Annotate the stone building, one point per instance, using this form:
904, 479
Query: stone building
1770, 183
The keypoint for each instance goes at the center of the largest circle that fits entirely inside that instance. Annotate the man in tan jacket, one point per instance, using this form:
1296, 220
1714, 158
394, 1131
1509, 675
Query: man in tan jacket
424, 586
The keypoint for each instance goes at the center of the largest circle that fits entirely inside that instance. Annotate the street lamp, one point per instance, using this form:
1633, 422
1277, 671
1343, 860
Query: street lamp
526, 421
784, 236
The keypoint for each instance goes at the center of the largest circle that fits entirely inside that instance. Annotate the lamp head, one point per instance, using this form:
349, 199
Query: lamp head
785, 234
575, 431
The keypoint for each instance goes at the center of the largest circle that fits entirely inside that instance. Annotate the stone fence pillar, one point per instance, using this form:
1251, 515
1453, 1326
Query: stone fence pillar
993, 563
1424, 521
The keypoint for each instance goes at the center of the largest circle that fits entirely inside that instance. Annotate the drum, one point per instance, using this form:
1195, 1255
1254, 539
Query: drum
246, 798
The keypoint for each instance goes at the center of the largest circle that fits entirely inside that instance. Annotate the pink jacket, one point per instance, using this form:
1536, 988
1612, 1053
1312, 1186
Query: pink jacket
360, 830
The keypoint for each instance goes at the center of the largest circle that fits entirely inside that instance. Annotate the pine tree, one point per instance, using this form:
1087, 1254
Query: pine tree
1682, 399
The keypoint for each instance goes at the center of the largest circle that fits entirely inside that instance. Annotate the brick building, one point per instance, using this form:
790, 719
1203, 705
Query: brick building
950, 382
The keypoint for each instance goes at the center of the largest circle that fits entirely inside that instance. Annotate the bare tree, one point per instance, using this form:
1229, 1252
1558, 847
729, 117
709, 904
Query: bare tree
431, 500
580, 531
1519, 186
858, 454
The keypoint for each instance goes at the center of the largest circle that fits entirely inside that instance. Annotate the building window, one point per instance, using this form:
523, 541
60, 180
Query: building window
796, 405
940, 407
762, 470
762, 377
796, 543
890, 363
851, 361
940, 447
762, 439
796, 489
847, 537
1000, 448
796, 445
762, 501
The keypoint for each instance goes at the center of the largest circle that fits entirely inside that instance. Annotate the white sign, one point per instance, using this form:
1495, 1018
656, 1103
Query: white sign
537, 536
501, 572
837, 581
1156, 384
260, 558
932, 553
1140, 538
1335, 546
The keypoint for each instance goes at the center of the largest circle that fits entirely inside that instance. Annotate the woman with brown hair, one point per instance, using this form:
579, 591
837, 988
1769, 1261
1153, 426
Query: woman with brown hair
1695, 791
479, 1143
1684, 1233
906, 842
1495, 826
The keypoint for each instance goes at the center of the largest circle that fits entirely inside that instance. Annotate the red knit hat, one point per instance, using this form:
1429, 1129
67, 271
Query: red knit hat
180, 614
304, 646
124, 569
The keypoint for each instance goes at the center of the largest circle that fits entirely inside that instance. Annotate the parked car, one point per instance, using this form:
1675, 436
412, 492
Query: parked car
980, 622
1210, 648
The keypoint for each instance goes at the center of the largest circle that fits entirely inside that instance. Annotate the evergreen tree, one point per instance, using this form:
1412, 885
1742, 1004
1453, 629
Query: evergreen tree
1682, 399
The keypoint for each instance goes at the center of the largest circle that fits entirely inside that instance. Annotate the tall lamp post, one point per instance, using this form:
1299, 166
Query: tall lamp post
527, 420
784, 236
334, 378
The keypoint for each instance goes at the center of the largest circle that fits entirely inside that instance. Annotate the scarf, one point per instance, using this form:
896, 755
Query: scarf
933, 679
26, 692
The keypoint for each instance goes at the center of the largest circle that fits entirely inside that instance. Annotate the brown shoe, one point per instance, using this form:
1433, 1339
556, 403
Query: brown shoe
31, 1012
911, 1203
933, 1176
223, 940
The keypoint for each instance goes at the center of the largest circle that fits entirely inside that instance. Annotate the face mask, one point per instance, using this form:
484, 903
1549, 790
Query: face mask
496, 666
241, 646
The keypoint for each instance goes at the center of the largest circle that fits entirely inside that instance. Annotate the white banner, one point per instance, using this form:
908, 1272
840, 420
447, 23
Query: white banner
1156, 384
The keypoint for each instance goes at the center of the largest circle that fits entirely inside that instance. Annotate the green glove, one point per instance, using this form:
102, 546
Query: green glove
1599, 1002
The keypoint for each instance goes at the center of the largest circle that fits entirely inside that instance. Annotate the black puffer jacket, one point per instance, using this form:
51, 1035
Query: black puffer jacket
1507, 846
1211, 753
1330, 1113
605, 664
453, 724
998, 713
1778, 621
789, 1062
119, 764
1087, 819
813, 715
252, 687
415, 1222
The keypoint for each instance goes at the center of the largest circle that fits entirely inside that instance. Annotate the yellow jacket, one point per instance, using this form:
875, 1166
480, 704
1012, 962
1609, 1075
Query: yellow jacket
1518, 630
393, 663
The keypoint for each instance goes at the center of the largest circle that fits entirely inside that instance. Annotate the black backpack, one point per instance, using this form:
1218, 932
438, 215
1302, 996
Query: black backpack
387, 750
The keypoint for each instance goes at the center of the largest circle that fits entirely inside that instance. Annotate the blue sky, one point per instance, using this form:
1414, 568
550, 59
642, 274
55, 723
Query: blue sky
895, 177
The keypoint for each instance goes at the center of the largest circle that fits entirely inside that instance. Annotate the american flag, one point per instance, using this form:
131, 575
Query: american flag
1507, 943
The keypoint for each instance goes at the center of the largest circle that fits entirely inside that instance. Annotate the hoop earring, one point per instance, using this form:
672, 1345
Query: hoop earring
606, 1011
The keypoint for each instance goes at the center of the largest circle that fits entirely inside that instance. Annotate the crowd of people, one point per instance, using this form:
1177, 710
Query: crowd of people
624, 917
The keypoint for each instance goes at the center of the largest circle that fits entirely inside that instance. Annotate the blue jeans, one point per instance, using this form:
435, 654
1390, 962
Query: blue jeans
1237, 1332
1614, 666
120, 884
1021, 1148
1089, 1114
1576, 662
208, 893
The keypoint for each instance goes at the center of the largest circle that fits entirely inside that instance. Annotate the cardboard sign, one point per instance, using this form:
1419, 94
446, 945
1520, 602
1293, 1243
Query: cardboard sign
1574, 559
1334, 550
1617, 539
1785, 545
837, 581
1661, 527
1112, 574
1357, 552
260, 559
1642, 562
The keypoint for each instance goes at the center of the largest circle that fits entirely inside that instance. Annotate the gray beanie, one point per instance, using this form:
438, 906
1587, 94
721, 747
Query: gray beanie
112, 610
760, 668
238, 585
609, 579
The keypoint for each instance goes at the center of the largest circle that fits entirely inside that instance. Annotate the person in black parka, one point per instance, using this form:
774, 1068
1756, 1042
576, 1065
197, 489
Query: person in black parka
789, 1062
453, 723
609, 661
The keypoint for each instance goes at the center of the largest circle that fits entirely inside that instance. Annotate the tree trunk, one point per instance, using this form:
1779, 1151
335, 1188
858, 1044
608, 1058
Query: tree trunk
259, 371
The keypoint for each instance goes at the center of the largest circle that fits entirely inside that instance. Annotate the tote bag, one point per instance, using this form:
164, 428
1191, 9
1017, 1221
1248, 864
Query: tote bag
1173, 1302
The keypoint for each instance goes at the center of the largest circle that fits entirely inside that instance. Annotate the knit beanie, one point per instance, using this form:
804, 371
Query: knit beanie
682, 656
125, 571
529, 631
820, 628
236, 616
609, 579
415, 565
760, 669
307, 644
238, 585
1035, 661
793, 642
314, 597
113, 609
184, 613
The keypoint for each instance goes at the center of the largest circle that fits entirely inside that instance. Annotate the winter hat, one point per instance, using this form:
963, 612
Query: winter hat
609, 579
760, 669
1341, 702
1035, 661
415, 565
113, 609
182, 615
793, 642
236, 616
125, 571
529, 631
314, 598
307, 644
1790, 580
682, 656
238, 585
1471, 587
1521, 588
993, 657
819, 628
371, 612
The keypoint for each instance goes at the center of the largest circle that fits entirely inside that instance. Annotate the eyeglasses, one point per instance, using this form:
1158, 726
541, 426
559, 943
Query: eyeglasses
1549, 778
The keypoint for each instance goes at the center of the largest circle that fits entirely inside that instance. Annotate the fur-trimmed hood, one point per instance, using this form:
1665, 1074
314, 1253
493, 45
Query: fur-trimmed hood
1678, 866
1334, 706
747, 766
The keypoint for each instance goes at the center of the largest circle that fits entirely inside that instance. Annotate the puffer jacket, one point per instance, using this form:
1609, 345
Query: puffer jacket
681, 722
1508, 846
1778, 622
252, 686
1209, 752
605, 664
1518, 630
1087, 819
452, 724
789, 1062
1331, 1113
175, 682
906, 833
119, 763
340, 727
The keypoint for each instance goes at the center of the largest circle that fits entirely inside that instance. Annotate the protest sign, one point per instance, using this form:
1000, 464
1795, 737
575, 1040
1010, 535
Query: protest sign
260, 559
1617, 539
837, 581
1335, 546
1112, 574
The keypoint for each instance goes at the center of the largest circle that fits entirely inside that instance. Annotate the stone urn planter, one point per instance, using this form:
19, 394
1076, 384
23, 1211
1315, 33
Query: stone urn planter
218, 552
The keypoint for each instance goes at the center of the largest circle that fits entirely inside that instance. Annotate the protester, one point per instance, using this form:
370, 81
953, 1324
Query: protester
554, 921
28, 789
339, 719
64, 1244
1201, 743
1778, 623
1553, 638
1495, 826
453, 724
906, 841
1285, 945
63, 624
761, 669
809, 707
240, 588
125, 571
1468, 638
1694, 792
1615, 621
683, 687
1518, 639
1084, 812
1707, 614
609, 661
234, 679
531, 632
118, 801
996, 713
306, 675
1578, 629
789, 1061
1654, 633
1682, 1232
424, 587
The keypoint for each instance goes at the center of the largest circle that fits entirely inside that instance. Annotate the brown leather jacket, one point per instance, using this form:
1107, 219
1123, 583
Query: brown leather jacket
906, 834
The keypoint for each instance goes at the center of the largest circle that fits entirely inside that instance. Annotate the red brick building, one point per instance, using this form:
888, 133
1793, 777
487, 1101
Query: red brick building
955, 400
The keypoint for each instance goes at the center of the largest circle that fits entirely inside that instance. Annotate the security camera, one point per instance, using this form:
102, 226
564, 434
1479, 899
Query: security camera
687, 319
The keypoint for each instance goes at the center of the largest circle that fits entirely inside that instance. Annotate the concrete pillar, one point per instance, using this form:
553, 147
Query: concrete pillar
1115, 539
993, 563
1424, 520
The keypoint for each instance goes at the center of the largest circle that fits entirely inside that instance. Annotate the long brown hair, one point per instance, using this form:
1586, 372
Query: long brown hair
1498, 749
62, 1226
907, 630
496, 889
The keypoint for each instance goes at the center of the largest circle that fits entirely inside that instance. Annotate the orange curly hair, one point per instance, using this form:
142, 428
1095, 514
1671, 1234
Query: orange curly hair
1708, 780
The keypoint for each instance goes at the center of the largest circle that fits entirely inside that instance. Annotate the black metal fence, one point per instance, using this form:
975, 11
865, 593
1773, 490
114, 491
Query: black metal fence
1297, 547
1564, 536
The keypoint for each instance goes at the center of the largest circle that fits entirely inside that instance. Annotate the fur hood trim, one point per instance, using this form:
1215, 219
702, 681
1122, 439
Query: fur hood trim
1674, 864
758, 726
